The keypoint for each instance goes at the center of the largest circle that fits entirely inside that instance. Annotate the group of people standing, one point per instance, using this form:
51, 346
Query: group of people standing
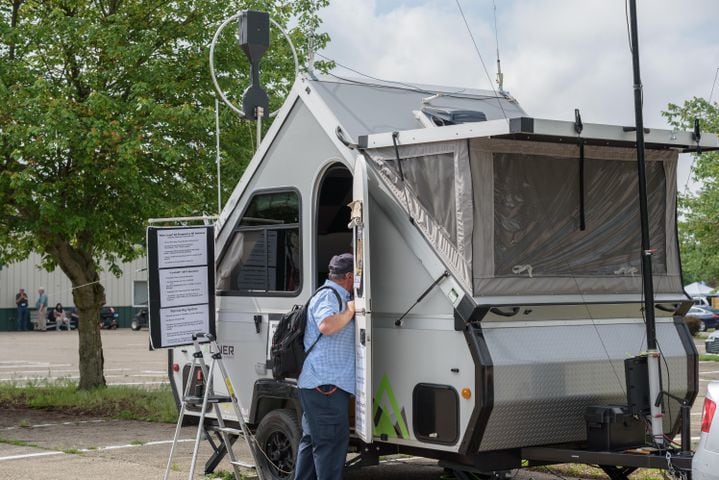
23, 312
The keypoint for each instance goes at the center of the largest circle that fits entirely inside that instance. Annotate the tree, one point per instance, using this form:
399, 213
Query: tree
699, 213
108, 119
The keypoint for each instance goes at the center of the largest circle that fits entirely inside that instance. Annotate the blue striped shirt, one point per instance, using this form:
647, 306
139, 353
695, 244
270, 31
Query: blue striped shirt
332, 360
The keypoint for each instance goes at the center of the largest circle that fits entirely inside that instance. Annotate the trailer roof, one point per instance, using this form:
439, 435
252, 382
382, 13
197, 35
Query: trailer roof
543, 130
366, 107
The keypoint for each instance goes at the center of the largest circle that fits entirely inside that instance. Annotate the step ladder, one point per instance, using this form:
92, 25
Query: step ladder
209, 398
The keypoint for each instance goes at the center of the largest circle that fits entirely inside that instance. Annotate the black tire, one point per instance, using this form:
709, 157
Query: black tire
135, 325
278, 435
702, 326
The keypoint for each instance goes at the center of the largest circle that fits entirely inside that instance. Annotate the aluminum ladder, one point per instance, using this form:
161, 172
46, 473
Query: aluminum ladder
209, 398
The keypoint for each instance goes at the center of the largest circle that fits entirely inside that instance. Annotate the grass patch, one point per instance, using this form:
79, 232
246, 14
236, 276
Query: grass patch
122, 402
225, 475
17, 443
221, 475
708, 357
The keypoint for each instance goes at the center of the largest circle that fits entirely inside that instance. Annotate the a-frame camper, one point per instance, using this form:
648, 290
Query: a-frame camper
520, 236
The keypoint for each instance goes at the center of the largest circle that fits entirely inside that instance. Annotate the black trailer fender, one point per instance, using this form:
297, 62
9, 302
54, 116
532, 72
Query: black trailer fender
269, 394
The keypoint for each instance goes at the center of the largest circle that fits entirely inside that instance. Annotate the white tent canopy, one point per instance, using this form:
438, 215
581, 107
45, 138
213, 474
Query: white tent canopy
698, 289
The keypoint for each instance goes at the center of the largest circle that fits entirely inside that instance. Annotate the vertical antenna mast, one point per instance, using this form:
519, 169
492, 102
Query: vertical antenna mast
500, 75
217, 151
647, 251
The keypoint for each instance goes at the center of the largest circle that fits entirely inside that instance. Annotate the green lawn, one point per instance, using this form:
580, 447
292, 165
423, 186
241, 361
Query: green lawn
123, 402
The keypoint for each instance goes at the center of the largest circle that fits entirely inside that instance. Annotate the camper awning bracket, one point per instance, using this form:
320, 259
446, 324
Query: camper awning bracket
578, 127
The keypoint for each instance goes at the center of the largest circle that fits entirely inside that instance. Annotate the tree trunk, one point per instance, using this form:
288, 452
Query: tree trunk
88, 301
89, 297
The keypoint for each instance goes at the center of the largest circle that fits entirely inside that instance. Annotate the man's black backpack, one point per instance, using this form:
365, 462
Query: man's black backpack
288, 350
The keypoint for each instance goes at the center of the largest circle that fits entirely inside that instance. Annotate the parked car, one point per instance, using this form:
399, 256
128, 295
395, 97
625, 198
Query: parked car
701, 301
707, 317
705, 464
139, 320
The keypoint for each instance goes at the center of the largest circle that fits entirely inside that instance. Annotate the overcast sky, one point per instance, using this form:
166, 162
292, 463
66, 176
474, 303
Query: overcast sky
556, 55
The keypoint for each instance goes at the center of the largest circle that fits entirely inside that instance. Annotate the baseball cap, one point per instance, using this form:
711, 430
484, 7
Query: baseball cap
340, 264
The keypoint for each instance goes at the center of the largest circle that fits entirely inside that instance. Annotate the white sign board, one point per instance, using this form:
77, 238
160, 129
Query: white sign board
181, 284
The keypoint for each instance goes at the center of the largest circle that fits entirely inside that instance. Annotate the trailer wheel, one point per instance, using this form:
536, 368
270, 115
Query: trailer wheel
278, 435
135, 325
702, 326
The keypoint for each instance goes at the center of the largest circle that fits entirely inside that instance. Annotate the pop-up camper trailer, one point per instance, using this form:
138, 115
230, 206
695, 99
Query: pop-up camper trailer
521, 235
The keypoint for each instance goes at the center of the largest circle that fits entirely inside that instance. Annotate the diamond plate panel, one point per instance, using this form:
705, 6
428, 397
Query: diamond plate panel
545, 377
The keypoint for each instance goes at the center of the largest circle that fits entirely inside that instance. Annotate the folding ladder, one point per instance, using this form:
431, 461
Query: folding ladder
209, 398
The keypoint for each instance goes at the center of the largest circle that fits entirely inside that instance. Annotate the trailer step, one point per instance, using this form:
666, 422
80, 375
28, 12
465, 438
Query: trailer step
231, 431
210, 399
242, 464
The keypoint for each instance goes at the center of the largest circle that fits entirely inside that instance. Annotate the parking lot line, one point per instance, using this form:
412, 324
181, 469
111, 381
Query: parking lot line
90, 450
31, 455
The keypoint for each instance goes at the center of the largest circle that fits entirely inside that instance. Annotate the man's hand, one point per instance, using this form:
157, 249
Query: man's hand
335, 323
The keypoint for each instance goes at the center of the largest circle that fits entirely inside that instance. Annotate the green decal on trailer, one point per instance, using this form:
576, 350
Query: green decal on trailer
389, 419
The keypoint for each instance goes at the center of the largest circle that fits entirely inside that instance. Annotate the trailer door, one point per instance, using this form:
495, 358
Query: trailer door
363, 325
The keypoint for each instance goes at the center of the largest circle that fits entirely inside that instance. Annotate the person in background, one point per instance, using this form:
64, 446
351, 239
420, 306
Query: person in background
22, 313
58, 313
328, 376
41, 307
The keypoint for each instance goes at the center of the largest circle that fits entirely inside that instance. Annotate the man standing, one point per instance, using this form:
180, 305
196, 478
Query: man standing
41, 306
22, 314
328, 377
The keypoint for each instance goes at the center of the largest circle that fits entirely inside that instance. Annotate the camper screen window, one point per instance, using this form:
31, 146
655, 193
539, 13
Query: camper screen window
536, 220
263, 255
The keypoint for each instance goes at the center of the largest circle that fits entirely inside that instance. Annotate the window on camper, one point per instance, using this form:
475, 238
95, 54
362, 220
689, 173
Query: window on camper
263, 255
536, 211
516, 217
529, 201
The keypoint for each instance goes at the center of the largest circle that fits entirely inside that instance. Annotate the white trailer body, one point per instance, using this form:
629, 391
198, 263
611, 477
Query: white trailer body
533, 253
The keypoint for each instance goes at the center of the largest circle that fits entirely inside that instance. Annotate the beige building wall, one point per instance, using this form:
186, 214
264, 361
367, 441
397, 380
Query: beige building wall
28, 275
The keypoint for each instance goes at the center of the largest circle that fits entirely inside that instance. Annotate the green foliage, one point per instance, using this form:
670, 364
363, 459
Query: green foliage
122, 402
108, 116
108, 119
699, 213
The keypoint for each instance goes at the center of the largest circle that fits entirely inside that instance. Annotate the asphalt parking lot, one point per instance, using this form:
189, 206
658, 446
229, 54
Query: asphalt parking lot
57, 446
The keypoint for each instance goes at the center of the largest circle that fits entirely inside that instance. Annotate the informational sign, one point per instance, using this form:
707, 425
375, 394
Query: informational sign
181, 284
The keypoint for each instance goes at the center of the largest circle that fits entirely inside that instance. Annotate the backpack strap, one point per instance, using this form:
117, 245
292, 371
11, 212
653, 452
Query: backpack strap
339, 301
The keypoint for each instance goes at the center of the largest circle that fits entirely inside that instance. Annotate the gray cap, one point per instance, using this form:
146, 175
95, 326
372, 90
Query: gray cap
340, 264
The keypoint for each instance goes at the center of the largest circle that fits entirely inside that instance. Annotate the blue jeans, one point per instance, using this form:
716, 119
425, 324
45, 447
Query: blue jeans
22, 319
325, 433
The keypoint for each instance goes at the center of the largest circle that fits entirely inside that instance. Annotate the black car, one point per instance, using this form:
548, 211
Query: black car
707, 317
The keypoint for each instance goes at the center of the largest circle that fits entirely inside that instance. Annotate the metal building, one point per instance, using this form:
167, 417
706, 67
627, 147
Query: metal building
125, 293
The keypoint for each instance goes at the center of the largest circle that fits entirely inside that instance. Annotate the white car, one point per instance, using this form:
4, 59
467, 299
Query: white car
705, 465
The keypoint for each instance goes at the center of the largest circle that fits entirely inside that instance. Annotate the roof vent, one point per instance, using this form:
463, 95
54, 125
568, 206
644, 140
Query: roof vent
446, 116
